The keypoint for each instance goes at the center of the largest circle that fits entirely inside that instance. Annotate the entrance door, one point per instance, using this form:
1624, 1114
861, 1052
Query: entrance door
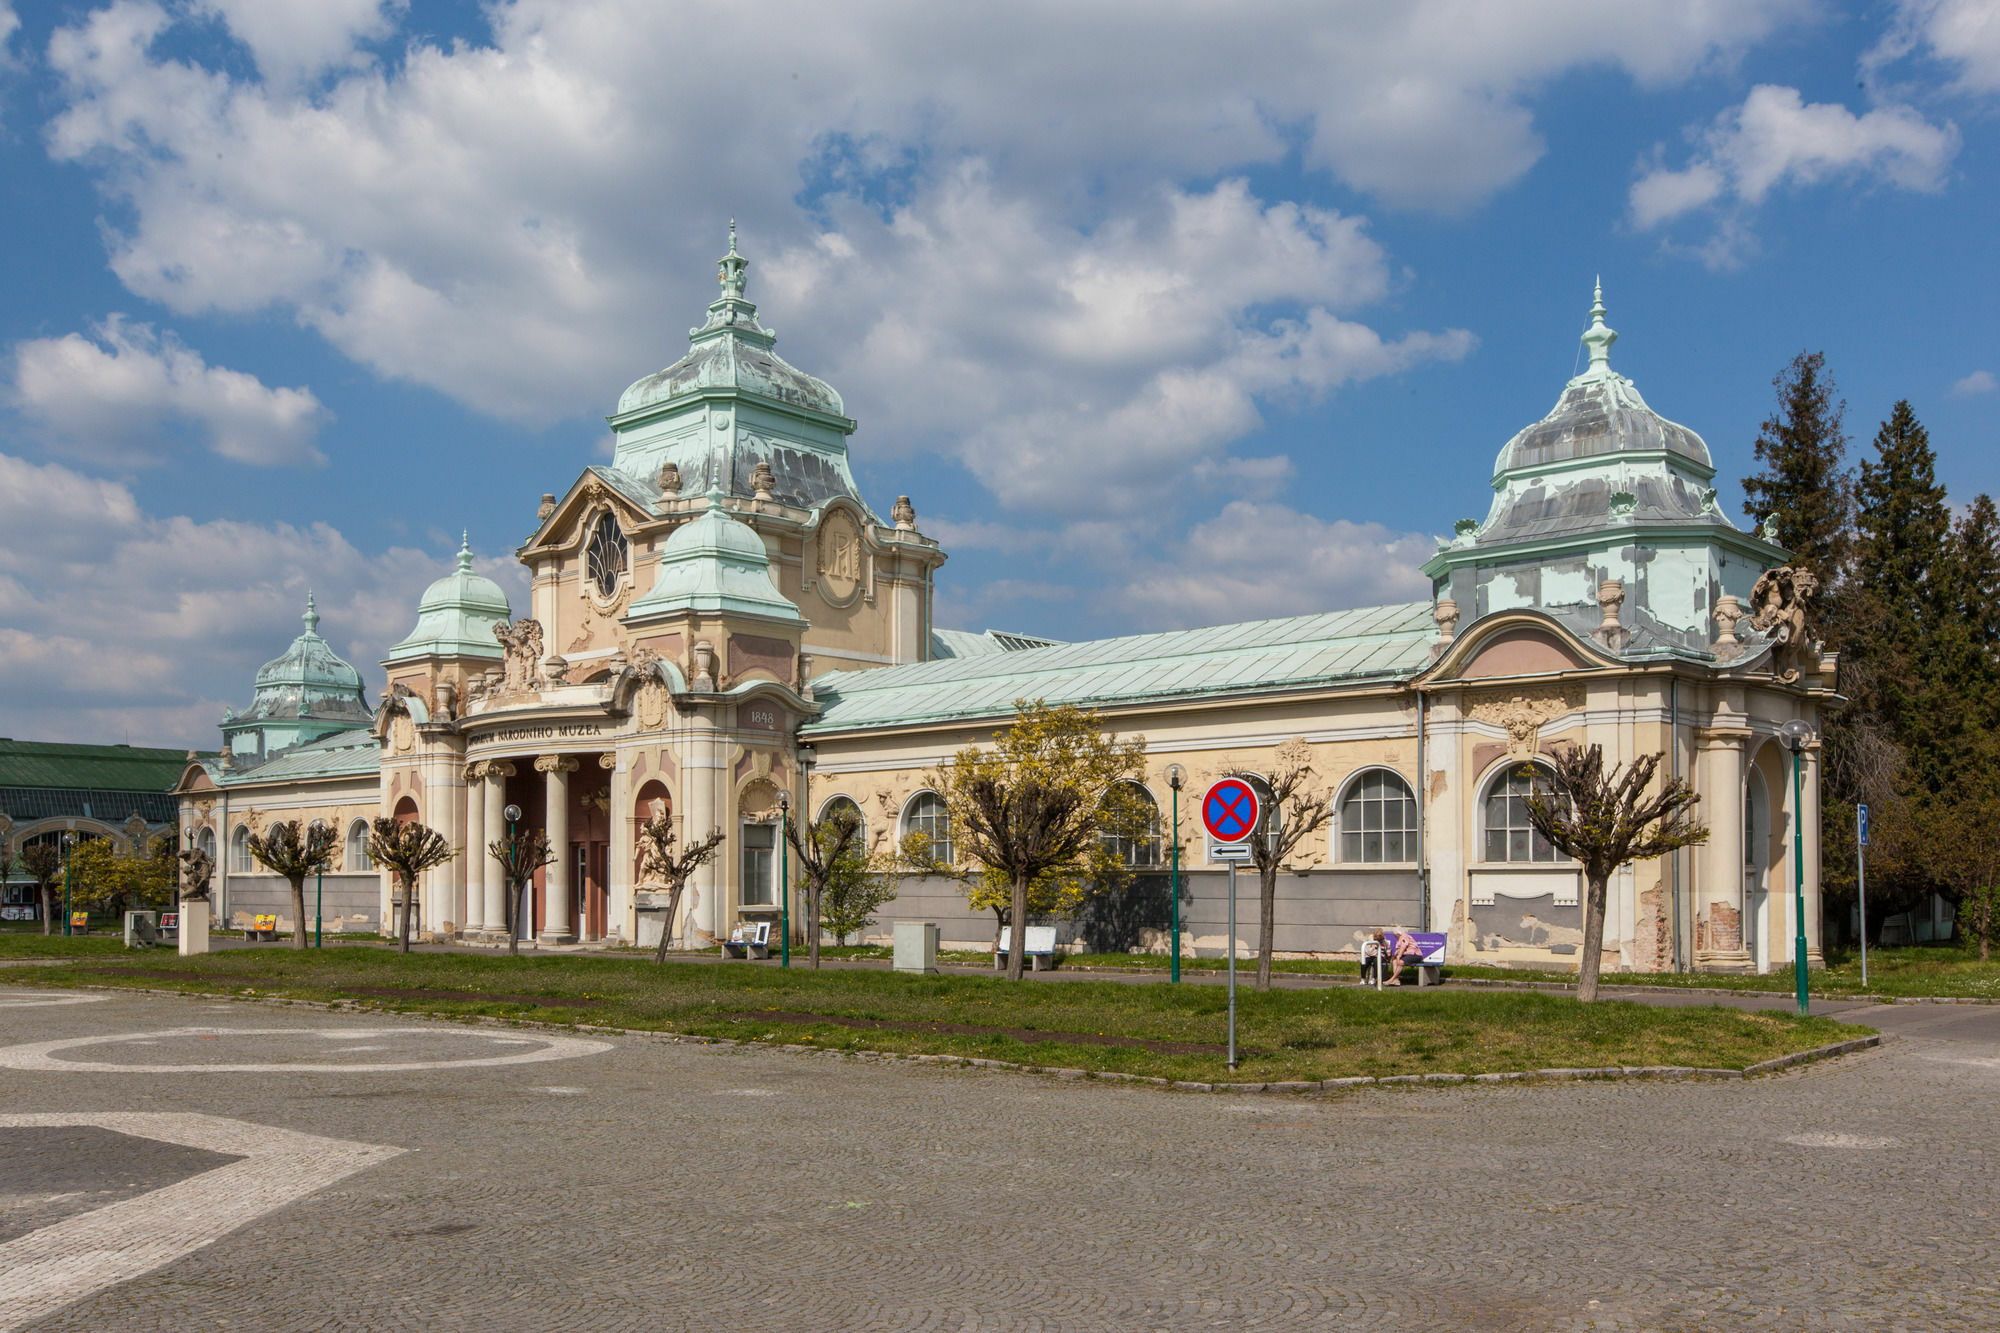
593, 861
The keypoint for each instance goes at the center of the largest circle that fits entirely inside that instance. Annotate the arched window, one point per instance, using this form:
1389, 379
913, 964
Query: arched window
239, 851
926, 814
1378, 819
358, 860
1509, 836
845, 805
758, 885
205, 840
1141, 852
607, 554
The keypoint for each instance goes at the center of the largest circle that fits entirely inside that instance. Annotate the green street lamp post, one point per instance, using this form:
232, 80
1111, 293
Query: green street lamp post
1176, 779
784, 880
1796, 735
319, 901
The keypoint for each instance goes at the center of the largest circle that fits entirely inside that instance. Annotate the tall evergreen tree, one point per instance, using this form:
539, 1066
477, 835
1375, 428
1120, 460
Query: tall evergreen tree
1804, 482
1903, 524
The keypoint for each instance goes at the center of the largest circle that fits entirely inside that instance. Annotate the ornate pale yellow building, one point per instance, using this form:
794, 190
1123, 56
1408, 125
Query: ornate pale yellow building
718, 616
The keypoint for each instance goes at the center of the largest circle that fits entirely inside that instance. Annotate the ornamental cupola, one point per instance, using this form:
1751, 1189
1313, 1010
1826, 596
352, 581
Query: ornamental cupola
305, 693
714, 565
456, 616
734, 414
1603, 498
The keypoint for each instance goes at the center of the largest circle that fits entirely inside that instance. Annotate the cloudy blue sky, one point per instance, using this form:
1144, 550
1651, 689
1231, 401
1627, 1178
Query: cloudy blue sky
1164, 314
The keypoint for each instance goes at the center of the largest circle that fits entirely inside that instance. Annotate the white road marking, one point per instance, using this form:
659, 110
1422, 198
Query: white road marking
66, 1261
31, 999
564, 1092
41, 1055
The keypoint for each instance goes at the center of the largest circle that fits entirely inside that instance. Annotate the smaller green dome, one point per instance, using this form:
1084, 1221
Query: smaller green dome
456, 616
714, 563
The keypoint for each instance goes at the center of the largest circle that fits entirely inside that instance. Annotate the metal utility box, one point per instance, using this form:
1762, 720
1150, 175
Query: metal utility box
916, 946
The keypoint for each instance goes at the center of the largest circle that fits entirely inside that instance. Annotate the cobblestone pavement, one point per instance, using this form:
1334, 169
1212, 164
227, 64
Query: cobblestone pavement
651, 1185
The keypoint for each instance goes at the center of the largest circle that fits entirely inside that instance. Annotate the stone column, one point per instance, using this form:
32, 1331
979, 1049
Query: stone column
477, 863
556, 926
1815, 948
704, 916
1719, 876
495, 805
618, 857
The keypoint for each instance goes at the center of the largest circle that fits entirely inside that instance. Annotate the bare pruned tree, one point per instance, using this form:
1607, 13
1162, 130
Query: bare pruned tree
1295, 807
827, 847
408, 850
520, 856
670, 869
1606, 820
294, 853
43, 860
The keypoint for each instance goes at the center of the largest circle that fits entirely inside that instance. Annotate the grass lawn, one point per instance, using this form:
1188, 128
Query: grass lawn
1165, 1031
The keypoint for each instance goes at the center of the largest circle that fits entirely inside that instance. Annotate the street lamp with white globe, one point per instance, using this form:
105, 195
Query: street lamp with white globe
1796, 735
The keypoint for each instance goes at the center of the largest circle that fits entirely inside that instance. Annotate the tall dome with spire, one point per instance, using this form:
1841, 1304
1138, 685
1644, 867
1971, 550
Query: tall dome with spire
730, 404
1603, 489
301, 695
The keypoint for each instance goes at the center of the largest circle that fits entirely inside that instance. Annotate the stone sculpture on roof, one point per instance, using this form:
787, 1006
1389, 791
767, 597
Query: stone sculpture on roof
1778, 608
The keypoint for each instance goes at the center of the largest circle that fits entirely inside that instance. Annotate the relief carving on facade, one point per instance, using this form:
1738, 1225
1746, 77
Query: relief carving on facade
1523, 712
649, 705
402, 733
840, 557
523, 643
1778, 608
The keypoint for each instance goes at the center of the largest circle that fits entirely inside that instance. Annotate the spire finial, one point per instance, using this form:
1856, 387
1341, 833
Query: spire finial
311, 617
1599, 336
465, 551
731, 268
715, 495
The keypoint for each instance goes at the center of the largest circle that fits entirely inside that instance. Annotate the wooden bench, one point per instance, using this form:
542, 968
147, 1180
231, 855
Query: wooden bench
1376, 963
1039, 947
748, 941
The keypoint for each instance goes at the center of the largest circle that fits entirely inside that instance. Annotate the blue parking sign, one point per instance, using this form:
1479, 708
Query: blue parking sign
1861, 823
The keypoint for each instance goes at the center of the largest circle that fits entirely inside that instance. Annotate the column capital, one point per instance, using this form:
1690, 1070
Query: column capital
499, 768
1721, 738
607, 761
476, 772
555, 763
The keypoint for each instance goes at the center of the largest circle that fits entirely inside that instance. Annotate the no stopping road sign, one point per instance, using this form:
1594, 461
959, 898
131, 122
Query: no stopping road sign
1230, 810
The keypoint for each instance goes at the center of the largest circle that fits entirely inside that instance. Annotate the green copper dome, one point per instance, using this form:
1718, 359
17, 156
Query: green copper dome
714, 563
731, 350
456, 616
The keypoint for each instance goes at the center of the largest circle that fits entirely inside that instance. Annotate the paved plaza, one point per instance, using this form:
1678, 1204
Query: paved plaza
187, 1164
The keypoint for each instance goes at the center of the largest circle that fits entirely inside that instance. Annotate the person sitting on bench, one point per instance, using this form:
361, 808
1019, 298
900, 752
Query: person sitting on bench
1398, 945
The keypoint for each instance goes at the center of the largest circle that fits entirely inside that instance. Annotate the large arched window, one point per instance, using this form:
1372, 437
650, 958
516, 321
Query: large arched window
205, 840
608, 554
1509, 836
239, 851
1142, 850
358, 860
1378, 819
844, 806
926, 814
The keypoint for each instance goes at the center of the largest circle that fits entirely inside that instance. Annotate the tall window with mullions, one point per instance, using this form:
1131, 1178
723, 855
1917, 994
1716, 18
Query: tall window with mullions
1509, 835
1378, 819
759, 885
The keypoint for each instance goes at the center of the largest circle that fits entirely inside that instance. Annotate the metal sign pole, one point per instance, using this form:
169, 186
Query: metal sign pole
1232, 962
1861, 881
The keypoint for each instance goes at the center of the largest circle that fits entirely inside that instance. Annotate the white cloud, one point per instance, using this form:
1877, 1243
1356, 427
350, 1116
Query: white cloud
293, 41
122, 395
1090, 372
1979, 381
1963, 35
124, 625
509, 222
1256, 560
1776, 139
